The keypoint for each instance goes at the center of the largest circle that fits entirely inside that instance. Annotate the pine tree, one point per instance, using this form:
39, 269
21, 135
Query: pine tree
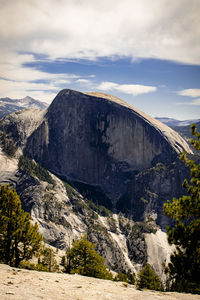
49, 260
84, 260
148, 279
19, 239
184, 268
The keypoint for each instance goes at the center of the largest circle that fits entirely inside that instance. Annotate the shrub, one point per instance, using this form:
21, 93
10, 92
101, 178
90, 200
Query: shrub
147, 278
34, 169
84, 260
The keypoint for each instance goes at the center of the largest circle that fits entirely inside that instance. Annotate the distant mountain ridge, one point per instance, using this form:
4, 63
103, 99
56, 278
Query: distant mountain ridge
173, 122
8, 105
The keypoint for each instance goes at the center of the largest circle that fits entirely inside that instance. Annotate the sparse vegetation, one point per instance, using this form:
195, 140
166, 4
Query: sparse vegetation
35, 169
148, 279
112, 224
48, 260
129, 277
100, 209
84, 260
142, 227
31, 266
71, 192
7, 143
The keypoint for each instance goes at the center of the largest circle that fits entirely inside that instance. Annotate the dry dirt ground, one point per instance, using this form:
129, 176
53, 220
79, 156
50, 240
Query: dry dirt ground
24, 284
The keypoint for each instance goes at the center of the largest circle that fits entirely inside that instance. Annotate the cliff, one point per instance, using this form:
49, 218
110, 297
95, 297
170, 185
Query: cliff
100, 141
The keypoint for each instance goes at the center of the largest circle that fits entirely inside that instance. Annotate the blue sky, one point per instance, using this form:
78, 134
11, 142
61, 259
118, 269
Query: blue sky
145, 52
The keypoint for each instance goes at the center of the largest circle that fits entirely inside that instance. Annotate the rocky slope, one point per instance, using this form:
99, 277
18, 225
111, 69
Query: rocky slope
99, 152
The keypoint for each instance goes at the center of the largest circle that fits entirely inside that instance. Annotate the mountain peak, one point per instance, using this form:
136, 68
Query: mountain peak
8, 105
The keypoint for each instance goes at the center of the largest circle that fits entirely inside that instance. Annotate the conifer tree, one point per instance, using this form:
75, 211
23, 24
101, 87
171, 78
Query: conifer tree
184, 268
84, 260
49, 260
19, 239
147, 278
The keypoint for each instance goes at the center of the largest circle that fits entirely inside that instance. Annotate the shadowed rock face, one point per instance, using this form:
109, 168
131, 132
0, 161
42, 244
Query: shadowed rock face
100, 142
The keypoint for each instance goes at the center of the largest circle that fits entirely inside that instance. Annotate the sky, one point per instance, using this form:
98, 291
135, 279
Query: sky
144, 52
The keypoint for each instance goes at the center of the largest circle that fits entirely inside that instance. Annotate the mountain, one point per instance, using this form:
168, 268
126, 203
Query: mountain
101, 142
182, 127
8, 105
173, 122
91, 163
185, 131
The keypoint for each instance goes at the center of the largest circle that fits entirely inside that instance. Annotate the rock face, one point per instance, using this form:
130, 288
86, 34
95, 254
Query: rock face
21, 124
102, 142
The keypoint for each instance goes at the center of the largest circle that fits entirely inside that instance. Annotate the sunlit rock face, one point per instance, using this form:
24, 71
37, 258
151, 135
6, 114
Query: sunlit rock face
100, 141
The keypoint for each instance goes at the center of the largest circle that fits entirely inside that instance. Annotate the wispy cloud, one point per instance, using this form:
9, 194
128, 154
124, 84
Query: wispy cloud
83, 81
107, 86
190, 93
132, 89
195, 102
18, 80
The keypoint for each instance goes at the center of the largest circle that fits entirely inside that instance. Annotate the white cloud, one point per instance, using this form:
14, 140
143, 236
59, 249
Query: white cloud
190, 93
195, 102
89, 29
136, 89
83, 81
107, 86
133, 89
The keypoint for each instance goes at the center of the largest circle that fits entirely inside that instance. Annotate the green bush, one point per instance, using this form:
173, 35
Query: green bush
148, 279
48, 260
84, 260
121, 277
31, 266
129, 277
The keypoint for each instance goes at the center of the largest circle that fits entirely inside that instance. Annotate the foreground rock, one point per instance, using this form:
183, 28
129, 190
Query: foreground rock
24, 284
